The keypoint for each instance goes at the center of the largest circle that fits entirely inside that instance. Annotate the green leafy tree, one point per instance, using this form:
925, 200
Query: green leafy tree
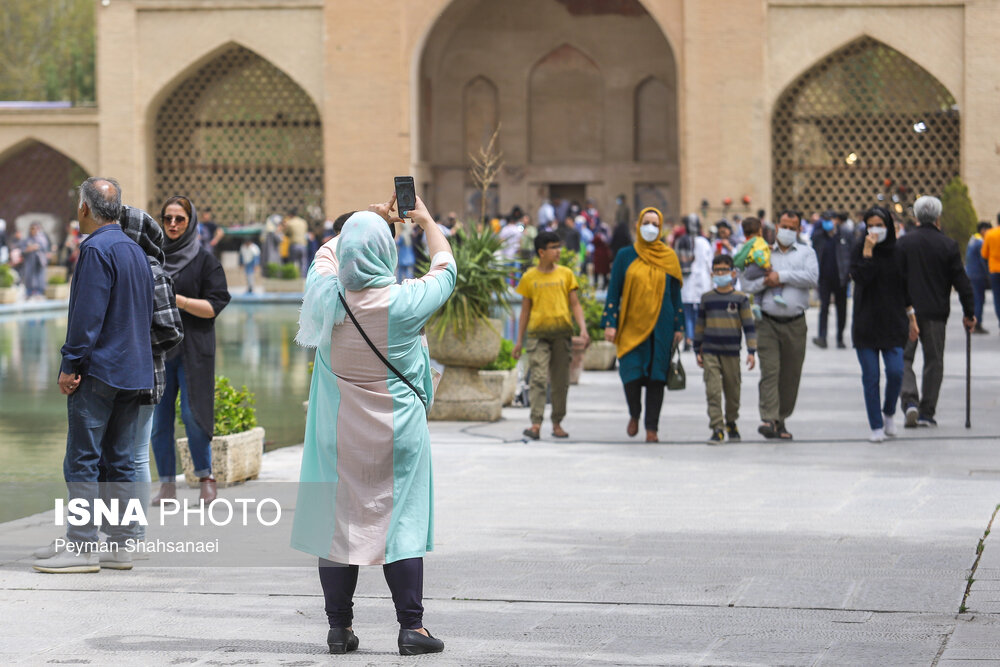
47, 50
958, 217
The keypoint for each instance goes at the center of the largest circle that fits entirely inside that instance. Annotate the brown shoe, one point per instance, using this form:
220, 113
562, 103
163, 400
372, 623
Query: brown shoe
651, 436
633, 427
168, 491
208, 489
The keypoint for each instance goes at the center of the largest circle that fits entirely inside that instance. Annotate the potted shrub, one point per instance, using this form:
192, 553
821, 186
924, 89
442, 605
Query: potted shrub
237, 444
500, 375
9, 293
571, 260
601, 354
461, 334
58, 287
283, 278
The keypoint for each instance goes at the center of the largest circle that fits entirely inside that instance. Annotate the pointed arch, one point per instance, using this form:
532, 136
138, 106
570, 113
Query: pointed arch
563, 85
37, 178
481, 113
655, 121
240, 135
864, 122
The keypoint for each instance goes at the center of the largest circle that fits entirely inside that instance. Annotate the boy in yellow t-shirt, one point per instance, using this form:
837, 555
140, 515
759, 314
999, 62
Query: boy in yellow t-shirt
550, 302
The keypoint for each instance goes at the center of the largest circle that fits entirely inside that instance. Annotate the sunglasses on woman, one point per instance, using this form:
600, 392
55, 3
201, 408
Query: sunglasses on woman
178, 219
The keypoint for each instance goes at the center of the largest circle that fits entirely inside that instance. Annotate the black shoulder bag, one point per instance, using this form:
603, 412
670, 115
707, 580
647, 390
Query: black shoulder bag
377, 353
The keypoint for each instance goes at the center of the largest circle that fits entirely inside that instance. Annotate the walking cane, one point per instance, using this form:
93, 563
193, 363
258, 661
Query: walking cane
968, 379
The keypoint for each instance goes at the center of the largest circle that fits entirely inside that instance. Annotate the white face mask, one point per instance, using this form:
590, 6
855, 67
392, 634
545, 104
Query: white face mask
649, 232
879, 232
787, 237
848, 226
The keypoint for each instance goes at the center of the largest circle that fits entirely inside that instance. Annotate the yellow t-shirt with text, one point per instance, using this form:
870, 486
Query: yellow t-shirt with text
549, 294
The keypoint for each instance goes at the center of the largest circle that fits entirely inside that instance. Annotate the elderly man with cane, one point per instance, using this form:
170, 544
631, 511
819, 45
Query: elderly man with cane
932, 265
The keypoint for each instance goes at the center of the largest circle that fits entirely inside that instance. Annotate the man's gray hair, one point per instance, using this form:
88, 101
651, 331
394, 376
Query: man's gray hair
927, 209
103, 210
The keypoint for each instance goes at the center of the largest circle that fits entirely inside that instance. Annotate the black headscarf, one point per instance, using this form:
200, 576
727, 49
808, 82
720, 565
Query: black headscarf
887, 246
180, 252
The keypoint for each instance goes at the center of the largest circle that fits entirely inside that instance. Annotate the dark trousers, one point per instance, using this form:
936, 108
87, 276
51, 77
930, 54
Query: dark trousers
406, 583
102, 425
995, 286
932, 343
828, 288
979, 296
654, 401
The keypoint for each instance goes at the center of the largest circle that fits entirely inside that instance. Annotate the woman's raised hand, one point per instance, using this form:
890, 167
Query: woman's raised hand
386, 210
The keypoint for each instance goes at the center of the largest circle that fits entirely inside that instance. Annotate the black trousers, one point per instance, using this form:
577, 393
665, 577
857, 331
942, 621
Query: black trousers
654, 401
406, 583
828, 288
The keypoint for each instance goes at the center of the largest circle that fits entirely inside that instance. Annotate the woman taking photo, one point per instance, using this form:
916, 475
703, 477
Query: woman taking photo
201, 294
644, 317
366, 492
883, 317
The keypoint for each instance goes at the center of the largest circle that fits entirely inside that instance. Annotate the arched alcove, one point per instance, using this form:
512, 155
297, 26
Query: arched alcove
481, 114
655, 122
36, 178
241, 136
863, 123
566, 125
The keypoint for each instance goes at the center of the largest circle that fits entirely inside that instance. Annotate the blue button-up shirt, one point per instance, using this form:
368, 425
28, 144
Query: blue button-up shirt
110, 312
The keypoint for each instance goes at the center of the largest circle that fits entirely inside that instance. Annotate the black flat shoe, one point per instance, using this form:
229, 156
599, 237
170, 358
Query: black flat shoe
341, 640
412, 642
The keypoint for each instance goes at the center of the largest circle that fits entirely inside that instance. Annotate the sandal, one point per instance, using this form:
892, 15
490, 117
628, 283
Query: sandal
783, 434
531, 433
560, 434
768, 430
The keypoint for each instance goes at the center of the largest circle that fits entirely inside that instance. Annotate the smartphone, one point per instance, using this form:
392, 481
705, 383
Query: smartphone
406, 195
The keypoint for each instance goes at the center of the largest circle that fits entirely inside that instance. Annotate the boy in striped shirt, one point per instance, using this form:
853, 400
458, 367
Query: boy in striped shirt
717, 344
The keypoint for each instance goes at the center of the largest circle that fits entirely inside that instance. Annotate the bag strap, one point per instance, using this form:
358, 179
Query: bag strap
376, 351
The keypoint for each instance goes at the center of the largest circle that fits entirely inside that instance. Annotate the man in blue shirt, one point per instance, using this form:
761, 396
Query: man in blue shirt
106, 362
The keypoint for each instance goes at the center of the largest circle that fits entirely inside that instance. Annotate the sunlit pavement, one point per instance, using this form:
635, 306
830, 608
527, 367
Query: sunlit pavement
828, 550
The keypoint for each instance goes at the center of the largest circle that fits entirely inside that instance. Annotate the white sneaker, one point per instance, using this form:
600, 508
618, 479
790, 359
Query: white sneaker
878, 435
46, 551
889, 424
70, 562
116, 560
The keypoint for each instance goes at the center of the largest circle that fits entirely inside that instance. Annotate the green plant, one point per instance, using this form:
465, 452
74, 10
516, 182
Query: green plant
234, 408
57, 279
272, 270
958, 217
289, 272
481, 283
6, 276
505, 358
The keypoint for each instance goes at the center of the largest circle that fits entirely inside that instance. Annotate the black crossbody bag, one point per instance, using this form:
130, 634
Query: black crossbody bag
377, 353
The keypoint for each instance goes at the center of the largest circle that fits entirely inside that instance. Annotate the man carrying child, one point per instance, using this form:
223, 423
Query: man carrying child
717, 343
550, 296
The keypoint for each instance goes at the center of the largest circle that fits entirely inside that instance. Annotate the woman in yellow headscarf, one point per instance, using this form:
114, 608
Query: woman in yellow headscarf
644, 317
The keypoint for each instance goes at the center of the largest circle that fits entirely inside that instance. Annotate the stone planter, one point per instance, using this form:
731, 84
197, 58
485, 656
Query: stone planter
600, 356
56, 270
10, 294
235, 458
462, 395
59, 292
502, 384
279, 285
576, 361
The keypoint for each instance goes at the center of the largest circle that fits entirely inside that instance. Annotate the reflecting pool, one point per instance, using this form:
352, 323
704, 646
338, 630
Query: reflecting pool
255, 347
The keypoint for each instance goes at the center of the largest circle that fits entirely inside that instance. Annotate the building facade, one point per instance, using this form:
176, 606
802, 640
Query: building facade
256, 106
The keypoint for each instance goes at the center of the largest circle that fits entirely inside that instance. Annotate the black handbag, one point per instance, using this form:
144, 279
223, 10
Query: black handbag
676, 378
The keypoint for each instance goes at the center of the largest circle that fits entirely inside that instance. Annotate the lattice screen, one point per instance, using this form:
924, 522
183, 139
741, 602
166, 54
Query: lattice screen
865, 123
241, 136
39, 179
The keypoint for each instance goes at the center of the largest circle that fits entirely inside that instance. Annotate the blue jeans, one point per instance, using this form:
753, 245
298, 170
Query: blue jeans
199, 442
870, 380
690, 319
99, 459
979, 296
995, 286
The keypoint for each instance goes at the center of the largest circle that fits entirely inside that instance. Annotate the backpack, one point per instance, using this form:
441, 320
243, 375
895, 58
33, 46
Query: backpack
684, 247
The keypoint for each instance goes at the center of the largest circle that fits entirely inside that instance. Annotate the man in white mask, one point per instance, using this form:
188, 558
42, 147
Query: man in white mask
781, 332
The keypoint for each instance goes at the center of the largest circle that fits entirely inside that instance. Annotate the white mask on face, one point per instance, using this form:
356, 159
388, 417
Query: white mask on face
649, 232
787, 237
879, 232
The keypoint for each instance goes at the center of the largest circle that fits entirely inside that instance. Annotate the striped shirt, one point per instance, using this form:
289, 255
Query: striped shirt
720, 319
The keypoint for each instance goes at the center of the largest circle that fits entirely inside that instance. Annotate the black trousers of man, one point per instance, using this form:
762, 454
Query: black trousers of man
831, 288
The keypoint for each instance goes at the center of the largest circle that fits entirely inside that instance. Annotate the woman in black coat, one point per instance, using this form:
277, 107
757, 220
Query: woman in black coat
202, 293
883, 318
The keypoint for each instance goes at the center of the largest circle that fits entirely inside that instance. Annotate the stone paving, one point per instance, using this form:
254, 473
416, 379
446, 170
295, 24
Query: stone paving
603, 550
